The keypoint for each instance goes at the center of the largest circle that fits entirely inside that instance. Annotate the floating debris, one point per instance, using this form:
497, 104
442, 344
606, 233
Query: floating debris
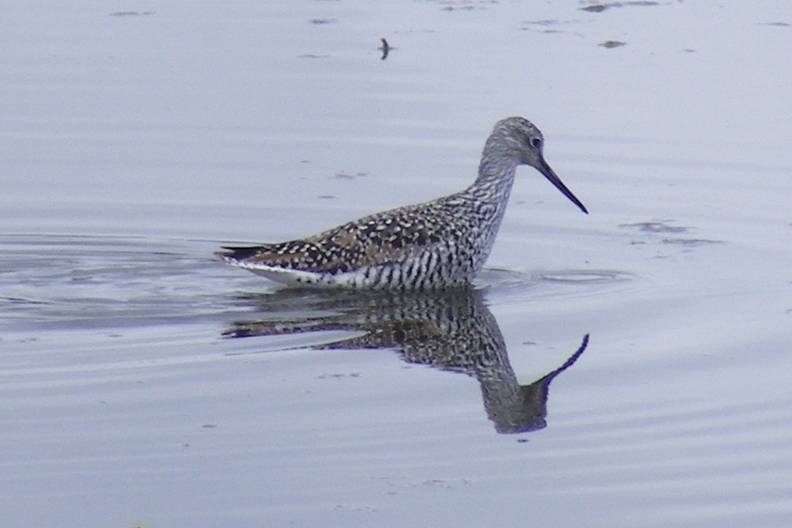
347, 176
660, 226
543, 22
599, 8
691, 242
596, 8
655, 226
339, 375
385, 48
544, 25
459, 8
612, 44
465, 5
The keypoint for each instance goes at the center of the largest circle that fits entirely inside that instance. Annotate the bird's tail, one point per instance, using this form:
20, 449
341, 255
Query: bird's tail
239, 253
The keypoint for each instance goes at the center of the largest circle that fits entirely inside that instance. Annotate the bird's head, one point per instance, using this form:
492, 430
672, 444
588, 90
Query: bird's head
519, 140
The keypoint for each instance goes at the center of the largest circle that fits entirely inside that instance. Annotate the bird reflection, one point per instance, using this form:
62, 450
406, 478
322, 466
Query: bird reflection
449, 330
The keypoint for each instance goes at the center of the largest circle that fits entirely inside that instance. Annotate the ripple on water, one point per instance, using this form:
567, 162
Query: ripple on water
109, 281
503, 284
497, 278
98, 281
583, 276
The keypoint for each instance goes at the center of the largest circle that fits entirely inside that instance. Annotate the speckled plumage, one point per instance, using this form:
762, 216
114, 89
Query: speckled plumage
434, 244
450, 330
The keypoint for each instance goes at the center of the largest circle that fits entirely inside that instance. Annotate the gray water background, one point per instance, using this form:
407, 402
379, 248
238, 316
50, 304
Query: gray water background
135, 138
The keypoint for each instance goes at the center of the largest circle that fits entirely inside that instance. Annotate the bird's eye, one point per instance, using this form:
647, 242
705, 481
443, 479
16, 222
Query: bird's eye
536, 142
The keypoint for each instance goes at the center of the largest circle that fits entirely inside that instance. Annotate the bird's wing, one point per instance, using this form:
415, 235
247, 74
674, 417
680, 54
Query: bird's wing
389, 236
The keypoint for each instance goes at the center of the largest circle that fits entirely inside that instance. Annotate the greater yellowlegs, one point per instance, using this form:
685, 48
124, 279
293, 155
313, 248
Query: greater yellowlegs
434, 244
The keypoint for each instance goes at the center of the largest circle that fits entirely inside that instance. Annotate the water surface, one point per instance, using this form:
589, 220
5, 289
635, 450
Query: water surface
629, 367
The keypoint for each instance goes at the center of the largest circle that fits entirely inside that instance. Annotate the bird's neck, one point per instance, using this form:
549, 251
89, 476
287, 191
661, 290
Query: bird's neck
488, 196
495, 179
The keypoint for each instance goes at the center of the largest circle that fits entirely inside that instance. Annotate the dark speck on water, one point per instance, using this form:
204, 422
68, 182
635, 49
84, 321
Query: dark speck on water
690, 242
599, 8
596, 8
656, 226
322, 21
543, 26
339, 375
345, 176
385, 48
661, 226
612, 44
458, 8
544, 22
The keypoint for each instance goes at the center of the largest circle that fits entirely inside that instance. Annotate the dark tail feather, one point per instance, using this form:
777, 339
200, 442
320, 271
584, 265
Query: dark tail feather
239, 253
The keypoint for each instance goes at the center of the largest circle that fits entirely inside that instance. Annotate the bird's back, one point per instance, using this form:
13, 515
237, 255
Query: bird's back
433, 244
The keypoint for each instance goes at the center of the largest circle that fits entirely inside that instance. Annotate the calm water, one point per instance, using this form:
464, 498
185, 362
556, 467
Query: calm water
627, 368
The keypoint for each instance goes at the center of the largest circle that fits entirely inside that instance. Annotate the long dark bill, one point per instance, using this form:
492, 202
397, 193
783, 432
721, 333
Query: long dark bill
548, 173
